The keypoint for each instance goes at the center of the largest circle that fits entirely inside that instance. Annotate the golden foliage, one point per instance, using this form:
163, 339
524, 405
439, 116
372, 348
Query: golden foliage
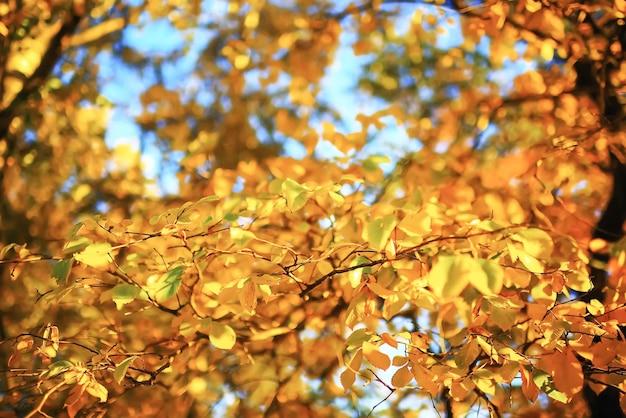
418, 234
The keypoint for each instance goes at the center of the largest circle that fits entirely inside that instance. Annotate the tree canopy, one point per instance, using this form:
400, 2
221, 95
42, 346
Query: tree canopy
322, 209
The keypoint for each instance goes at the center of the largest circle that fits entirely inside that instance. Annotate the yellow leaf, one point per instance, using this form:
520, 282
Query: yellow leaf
96, 390
80, 192
266, 279
451, 274
375, 357
537, 243
379, 230
485, 384
222, 336
381, 291
416, 224
598, 245
530, 262
252, 19
241, 237
492, 279
95, 255
241, 61
547, 50
99, 31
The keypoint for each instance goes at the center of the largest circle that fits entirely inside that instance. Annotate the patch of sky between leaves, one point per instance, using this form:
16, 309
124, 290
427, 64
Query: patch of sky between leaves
123, 86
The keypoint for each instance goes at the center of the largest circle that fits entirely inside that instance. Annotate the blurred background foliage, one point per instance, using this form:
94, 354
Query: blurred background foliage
129, 108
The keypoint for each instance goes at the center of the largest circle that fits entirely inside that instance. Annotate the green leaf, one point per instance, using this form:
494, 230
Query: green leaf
231, 217
222, 336
546, 384
61, 270
168, 284
207, 199
95, 255
59, 367
295, 193
379, 230
467, 354
75, 230
373, 162
122, 368
76, 244
125, 293
357, 338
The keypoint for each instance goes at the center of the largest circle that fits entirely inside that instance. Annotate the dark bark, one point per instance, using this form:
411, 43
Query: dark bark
15, 224
605, 404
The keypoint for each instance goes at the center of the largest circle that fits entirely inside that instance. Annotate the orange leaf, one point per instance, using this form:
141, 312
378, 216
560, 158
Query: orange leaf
529, 388
426, 379
388, 338
348, 377
402, 377
378, 359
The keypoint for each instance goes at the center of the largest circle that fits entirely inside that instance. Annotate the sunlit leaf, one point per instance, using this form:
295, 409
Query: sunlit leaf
375, 357
536, 243
379, 230
241, 237
167, 285
347, 378
529, 387
222, 336
416, 224
98, 391
451, 274
402, 377
96, 255
76, 244
296, 194
357, 338
355, 275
